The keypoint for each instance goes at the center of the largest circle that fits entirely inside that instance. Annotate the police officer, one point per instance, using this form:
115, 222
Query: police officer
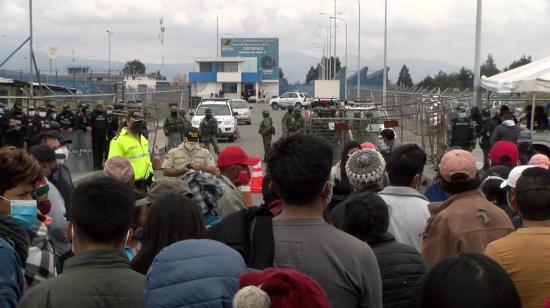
31, 129
98, 123
129, 143
266, 131
296, 123
52, 113
42, 122
174, 128
66, 119
462, 132
209, 131
189, 155
81, 119
17, 127
286, 118
112, 126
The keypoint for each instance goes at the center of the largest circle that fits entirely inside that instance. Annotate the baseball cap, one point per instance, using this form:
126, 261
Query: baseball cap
540, 160
168, 185
515, 174
119, 168
455, 162
234, 155
502, 149
42, 153
59, 136
192, 134
368, 146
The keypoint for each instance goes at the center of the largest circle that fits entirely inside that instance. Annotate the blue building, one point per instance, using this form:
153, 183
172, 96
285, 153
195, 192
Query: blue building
373, 80
236, 77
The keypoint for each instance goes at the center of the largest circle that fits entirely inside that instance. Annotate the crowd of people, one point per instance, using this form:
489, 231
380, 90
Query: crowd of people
358, 233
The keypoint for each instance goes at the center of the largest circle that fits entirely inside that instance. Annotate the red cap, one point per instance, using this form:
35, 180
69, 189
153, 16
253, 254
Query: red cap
234, 155
286, 288
368, 146
501, 149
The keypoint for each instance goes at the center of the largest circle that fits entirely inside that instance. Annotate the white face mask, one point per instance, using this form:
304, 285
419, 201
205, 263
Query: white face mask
462, 115
329, 196
32, 113
62, 150
42, 113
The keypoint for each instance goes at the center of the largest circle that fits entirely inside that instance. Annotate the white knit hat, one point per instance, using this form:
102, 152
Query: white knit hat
365, 168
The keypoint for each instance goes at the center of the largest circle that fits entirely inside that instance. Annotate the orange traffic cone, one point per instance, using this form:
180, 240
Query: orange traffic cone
246, 194
156, 159
257, 178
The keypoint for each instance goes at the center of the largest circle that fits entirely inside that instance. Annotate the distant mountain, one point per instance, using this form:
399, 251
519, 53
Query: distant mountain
295, 65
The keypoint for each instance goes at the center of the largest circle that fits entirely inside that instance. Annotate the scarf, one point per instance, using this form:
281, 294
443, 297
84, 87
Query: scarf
12, 231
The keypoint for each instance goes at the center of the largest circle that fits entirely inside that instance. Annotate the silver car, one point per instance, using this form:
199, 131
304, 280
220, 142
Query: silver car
241, 107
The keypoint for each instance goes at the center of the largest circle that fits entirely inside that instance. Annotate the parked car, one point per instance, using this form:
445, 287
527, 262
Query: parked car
325, 107
241, 107
224, 114
296, 99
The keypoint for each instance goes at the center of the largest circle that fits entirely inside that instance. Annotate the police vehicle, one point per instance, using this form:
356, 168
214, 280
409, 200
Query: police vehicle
224, 114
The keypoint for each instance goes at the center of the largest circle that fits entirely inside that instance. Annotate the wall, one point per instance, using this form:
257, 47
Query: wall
270, 89
229, 77
327, 88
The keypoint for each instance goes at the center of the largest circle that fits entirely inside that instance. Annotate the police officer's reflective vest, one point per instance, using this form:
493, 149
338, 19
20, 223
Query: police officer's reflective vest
136, 151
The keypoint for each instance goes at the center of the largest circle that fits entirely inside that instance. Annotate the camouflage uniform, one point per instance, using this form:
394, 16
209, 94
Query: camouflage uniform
267, 131
286, 119
296, 123
174, 128
209, 131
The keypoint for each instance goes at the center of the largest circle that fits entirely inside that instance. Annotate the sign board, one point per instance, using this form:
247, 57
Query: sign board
265, 50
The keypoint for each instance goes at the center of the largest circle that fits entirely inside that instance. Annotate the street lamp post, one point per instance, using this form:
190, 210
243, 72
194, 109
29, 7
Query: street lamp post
346, 60
109, 33
31, 56
327, 58
330, 60
384, 83
477, 60
359, 52
334, 61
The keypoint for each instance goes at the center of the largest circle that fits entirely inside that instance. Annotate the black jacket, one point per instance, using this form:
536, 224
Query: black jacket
401, 267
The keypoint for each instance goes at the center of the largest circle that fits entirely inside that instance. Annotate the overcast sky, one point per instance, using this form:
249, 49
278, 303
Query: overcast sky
425, 29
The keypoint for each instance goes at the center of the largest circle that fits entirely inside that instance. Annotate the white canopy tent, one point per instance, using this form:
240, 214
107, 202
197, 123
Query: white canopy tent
532, 78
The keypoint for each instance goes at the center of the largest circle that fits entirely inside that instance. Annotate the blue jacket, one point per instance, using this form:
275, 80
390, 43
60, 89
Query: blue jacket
11, 275
194, 273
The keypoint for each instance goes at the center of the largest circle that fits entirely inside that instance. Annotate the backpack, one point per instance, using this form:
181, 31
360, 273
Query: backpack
249, 232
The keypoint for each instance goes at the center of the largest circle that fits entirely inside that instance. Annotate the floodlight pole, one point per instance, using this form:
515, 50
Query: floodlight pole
477, 60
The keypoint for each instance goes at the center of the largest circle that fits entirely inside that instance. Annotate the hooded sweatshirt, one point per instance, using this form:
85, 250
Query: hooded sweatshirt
507, 131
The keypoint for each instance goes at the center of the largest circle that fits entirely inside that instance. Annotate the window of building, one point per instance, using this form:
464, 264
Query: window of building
229, 87
205, 67
228, 67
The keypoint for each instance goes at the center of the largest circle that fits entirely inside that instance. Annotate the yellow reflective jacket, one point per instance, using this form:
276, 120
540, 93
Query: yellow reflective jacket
136, 151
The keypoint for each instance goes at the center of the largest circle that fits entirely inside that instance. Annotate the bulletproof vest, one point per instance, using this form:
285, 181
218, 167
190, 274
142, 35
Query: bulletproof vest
44, 123
211, 125
99, 121
66, 120
461, 130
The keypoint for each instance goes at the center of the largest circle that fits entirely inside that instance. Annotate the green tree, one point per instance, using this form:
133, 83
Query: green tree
133, 67
489, 68
517, 63
158, 75
443, 80
404, 79
465, 78
427, 82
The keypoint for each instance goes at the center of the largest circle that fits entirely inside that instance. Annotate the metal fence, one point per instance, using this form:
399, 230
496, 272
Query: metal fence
418, 118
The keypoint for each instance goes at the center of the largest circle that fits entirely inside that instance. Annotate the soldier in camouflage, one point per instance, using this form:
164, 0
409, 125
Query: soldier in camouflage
266, 131
174, 128
286, 118
209, 131
296, 123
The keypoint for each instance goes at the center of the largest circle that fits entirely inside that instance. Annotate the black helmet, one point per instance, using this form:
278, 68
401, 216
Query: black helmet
265, 113
207, 110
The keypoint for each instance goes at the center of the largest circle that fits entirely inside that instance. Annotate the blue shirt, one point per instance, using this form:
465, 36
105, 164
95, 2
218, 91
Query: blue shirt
11, 275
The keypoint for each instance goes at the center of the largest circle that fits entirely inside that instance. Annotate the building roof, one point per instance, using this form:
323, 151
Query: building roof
219, 59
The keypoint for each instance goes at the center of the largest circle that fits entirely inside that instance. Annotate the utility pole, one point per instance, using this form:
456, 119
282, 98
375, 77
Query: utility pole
477, 60
161, 37
217, 37
359, 53
385, 85
109, 33
30, 55
346, 59
334, 64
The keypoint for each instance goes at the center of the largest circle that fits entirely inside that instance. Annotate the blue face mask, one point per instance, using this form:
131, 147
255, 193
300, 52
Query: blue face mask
129, 253
23, 211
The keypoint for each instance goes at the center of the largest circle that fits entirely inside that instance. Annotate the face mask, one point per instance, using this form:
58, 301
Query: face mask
62, 151
23, 211
244, 176
42, 113
462, 115
54, 115
2, 110
329, 196
32, 113
522, 126
109, 112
